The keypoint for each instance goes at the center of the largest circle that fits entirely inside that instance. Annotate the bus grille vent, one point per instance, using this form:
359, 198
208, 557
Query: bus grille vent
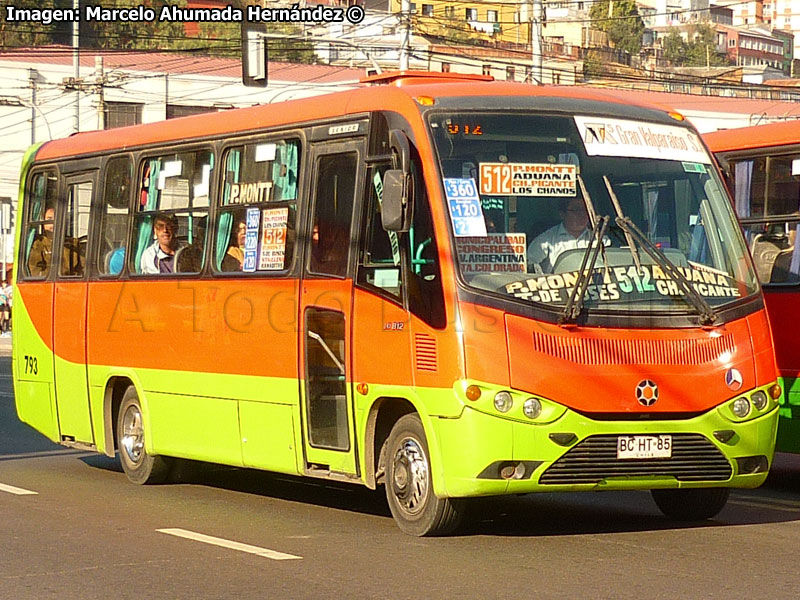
634, 352
425, 352
694, 458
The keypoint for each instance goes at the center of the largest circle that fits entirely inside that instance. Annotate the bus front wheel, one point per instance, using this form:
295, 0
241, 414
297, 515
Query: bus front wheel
409, 487
139, 466
695, 504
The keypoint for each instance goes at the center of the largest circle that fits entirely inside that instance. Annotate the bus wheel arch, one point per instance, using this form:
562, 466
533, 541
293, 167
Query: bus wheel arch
416, 508
112, 399
140, 466
385, 412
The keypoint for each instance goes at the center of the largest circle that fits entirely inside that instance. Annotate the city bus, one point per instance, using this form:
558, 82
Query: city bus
381, 286
762, 164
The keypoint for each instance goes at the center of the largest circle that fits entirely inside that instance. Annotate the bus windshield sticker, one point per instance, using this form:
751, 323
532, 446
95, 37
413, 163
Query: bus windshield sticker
636, 139
690, 167
465, 207
201, 189
253, 217
246, 193
394, 242
528, 179
493, 253
796, 167
387, 278
172, 168
273, 239
265, 152
622, 282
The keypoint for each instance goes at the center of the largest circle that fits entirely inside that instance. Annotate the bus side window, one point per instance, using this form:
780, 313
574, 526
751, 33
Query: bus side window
333, 213
380, 265
424, 282
256, 221
73, 253
37, 241
172, 219
114, 218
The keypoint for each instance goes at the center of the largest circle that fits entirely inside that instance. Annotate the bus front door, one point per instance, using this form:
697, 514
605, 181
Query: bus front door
69, 311
325, 313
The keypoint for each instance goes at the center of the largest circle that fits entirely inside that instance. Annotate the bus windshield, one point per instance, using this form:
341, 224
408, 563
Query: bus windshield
527, 194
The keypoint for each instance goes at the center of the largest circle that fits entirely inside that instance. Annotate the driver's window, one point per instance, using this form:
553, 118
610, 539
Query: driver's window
79, 202
379, 264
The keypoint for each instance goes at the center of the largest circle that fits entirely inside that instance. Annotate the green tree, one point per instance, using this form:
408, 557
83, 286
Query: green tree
674, 48
593, 65
699, 51
25, 34
621, 21
134, 35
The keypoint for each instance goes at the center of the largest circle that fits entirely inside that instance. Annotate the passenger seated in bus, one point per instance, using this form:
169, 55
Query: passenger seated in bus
234, 257
159, 257
42, 248
72, 260
572, 232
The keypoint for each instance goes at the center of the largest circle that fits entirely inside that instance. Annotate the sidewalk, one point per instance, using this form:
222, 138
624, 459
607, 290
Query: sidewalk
5, 345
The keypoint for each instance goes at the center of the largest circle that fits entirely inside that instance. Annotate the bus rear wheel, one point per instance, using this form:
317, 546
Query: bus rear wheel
139, 466
409, 486
695, 504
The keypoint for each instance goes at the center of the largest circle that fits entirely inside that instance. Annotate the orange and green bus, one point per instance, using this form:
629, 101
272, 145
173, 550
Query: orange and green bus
385, 286
763, 168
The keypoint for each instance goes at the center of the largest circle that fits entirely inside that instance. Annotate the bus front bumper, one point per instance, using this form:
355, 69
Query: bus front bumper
576, 453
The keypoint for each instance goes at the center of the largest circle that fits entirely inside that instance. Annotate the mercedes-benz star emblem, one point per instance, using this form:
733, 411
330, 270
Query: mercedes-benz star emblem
647, 392
733, 379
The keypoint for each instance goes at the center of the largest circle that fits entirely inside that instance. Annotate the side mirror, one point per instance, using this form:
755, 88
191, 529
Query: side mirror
394, 203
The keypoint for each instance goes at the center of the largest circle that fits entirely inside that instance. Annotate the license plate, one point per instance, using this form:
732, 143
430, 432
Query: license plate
644, 446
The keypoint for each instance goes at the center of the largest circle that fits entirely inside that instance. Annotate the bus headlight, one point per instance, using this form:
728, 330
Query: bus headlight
759, 399
741, 407
503, 401
532, 408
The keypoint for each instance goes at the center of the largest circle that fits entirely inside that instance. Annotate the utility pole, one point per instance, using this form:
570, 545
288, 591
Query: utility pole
536, 41
405, 19
32, 80
76, 65
101, 101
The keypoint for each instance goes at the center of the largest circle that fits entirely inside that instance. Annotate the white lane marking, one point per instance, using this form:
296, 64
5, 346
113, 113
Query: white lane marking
215, 541
764, 505
15, 490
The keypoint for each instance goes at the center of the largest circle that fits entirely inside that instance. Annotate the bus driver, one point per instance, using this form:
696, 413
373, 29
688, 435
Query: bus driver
572, 232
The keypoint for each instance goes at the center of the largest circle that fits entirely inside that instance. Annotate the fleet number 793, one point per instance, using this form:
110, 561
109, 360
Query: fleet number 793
31, 365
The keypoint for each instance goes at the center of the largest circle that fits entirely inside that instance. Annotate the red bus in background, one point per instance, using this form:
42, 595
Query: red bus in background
763, 168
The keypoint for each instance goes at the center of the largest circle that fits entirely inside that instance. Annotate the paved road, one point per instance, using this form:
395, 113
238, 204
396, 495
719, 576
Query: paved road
234, 533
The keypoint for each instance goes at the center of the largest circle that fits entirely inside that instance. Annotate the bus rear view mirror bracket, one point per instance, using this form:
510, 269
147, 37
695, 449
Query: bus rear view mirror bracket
396, 201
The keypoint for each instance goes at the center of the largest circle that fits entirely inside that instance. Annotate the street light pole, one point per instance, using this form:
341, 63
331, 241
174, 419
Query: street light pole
405, 17
76, 66
536, 41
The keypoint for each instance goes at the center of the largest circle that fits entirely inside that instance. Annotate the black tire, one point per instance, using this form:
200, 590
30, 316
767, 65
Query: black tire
695, 504
139, 466
409, 487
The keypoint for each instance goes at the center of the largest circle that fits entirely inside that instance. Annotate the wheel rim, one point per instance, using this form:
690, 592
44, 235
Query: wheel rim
410, 476
132, 434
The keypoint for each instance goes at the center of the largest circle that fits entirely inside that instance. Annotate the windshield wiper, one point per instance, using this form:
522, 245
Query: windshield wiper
620, 214
704, 309
575, 301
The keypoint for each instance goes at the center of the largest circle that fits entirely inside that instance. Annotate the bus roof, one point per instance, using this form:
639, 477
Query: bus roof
748, 138
392, 91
